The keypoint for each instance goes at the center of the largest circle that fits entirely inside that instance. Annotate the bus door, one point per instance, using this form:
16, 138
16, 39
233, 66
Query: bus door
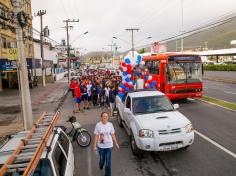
162, 76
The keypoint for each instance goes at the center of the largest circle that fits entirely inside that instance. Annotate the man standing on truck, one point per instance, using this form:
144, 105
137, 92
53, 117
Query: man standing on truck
104, 136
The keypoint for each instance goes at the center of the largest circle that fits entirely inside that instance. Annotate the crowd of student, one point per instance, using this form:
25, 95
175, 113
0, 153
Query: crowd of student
93, 88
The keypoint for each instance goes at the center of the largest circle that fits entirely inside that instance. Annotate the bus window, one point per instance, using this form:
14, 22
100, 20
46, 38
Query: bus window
148, 65
155, 67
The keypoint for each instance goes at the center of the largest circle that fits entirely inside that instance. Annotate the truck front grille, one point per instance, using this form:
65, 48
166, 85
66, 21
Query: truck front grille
172, 131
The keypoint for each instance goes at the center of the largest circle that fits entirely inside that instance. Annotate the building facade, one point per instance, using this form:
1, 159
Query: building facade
8, 71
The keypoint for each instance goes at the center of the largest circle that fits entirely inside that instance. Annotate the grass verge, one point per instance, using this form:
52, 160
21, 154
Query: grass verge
220, 102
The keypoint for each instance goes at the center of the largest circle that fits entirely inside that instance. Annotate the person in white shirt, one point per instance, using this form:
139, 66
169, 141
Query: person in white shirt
107, 90
104, 137
89, 86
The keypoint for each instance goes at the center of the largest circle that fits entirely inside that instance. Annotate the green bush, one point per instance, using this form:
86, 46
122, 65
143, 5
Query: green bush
229, 67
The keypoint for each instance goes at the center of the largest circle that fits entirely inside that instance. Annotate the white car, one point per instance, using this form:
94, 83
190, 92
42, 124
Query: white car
56, 160
153, 123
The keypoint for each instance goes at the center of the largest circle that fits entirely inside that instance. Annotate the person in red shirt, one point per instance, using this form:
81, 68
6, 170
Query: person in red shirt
77, 98
73, 84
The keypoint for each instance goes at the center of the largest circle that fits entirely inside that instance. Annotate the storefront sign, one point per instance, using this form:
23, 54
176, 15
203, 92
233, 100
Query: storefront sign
8, 65
12, 53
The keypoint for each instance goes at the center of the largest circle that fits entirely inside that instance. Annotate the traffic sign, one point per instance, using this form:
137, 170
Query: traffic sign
12, 53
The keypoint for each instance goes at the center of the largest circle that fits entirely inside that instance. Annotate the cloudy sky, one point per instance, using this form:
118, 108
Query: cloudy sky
104, 19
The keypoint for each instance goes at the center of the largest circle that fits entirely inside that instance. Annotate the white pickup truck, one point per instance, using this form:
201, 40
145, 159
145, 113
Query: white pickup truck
152, 122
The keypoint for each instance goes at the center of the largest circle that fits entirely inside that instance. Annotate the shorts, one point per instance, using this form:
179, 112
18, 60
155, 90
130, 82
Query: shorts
84, 97
77, 100
90, 98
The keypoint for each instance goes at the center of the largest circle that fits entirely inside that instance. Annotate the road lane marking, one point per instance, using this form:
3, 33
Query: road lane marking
89, 162
228, 92
216, 144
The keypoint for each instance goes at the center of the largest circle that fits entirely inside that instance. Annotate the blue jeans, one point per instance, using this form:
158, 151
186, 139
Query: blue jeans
105, 157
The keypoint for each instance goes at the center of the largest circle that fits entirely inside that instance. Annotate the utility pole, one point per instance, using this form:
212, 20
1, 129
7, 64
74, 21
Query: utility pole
20, 23
40, 13
182, 25
132, 32
68, 42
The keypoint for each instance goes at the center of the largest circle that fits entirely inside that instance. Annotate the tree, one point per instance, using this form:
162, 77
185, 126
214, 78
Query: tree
142, 50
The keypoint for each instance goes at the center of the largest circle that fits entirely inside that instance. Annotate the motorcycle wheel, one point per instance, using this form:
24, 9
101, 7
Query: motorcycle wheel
83, 139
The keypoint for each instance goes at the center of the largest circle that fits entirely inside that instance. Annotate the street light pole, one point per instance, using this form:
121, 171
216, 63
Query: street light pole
24, 81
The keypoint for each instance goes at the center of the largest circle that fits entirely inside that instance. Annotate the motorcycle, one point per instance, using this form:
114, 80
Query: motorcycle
77, 133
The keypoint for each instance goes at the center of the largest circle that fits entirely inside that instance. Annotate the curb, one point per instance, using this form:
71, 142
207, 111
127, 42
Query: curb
62, 100
216, 105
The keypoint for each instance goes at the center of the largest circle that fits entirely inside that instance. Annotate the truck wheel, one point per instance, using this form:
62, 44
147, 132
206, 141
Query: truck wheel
119, 119
135, 150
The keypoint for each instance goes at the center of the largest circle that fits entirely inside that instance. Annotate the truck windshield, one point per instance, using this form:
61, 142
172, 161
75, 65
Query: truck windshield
151, 104
184, 72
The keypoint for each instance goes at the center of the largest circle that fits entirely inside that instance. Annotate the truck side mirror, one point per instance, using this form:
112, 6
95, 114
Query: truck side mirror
176, 106
127, 110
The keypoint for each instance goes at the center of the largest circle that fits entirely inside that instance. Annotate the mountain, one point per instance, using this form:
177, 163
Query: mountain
216, 37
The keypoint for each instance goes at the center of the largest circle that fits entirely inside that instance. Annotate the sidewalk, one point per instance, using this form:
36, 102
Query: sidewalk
42, 99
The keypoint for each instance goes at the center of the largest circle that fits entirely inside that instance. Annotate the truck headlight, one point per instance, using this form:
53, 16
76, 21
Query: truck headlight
146, 133
189, 128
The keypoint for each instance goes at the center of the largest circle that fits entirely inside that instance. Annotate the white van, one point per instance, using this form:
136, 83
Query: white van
56, 160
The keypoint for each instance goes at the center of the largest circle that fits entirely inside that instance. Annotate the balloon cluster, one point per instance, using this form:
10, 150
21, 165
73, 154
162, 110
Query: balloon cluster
129, 67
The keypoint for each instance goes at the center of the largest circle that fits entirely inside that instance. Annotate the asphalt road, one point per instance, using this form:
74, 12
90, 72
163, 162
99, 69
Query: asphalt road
202, 158
220, 90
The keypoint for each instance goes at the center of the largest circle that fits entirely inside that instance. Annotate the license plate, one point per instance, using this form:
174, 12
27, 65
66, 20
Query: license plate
170, 147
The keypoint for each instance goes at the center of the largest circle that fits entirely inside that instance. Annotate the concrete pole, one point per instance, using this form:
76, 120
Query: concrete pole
68, 50
182, 25
132, 43
132, 33
24, 82
42, 51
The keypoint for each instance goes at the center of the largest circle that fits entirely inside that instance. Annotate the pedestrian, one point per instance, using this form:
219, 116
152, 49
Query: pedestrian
89, 91
102, 98
77, 98
94, 89
112, 97
103, 142
84, 93
73, 84
107, 89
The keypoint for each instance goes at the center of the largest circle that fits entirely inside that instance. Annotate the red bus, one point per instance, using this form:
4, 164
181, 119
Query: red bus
179, 76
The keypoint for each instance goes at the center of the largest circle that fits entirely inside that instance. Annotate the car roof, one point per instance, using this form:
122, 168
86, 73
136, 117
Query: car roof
145, 93
13, 143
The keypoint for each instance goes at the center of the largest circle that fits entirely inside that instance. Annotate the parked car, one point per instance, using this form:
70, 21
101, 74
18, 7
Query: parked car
152, 122
56, 160
72, 73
